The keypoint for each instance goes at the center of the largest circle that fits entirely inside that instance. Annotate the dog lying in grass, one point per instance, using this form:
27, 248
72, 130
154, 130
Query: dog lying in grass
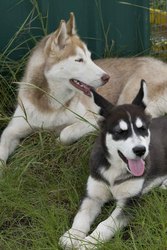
128, 159
54, 92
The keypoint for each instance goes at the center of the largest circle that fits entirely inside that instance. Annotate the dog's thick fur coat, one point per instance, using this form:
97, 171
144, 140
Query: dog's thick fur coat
51, 94
55, 90
124, 164
125, 76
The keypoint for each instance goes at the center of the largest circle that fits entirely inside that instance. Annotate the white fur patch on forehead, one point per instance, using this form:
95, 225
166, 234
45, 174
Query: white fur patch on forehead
123, 125
139, 123
87, 52
145, 98
82, 52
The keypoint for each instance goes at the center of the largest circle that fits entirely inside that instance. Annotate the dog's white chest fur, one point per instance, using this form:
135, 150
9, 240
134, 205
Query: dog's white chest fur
127, 189
124, 189
54, 118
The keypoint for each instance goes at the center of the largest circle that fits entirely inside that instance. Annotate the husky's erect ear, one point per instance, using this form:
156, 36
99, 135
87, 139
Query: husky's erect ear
71, 27
141, 97
100, 101
59, 37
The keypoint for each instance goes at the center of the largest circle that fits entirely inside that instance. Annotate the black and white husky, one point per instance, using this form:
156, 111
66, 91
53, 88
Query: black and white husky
128, 159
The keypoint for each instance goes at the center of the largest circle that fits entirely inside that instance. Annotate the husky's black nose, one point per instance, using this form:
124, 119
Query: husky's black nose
105, 78
139, 150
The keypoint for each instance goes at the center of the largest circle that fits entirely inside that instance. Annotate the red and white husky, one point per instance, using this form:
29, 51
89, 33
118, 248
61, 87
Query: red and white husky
55, 90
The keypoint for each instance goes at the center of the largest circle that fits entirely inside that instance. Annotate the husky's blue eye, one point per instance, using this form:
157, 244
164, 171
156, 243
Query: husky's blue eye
79, 60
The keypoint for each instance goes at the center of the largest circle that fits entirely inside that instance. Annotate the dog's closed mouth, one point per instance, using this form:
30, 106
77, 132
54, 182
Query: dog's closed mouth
81, 86
136, 167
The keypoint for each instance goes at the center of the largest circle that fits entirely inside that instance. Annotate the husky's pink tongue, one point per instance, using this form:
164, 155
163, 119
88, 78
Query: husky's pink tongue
136, 167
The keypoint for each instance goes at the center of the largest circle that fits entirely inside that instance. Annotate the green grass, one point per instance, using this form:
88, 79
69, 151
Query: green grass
41, 191
44, 182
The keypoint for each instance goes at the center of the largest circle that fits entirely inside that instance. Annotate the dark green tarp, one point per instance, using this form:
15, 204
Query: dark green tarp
122, 25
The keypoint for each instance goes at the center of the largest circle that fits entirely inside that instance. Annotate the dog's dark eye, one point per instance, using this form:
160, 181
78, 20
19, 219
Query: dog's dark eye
143, 128
79, 60
121, 132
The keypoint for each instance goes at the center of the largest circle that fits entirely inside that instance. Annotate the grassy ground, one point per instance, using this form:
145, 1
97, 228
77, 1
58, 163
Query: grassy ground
44, 181
41, 190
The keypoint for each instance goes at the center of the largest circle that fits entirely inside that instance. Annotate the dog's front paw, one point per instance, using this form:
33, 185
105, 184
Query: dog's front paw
68, 135
164, 184
71, 239
88, 243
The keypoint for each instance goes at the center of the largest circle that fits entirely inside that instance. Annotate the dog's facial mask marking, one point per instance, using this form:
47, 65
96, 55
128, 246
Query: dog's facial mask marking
126, 130
69, 60
130, 145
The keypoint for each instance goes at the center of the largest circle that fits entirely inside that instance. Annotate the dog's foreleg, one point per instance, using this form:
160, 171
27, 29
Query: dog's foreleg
17, 128
97, 195
77, 130
164, 184
106, 229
